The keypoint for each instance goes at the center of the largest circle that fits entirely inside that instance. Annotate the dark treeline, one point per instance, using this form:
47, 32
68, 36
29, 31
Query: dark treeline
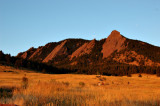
85, 65
94, 64
112, 68
6, 59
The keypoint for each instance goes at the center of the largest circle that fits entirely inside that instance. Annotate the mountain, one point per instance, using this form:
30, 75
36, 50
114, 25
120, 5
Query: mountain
114, 42
8, 60
84, 55
27, 54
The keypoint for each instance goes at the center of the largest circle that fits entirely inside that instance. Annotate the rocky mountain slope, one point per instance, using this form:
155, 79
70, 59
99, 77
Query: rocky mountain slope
115, 42
114, 55
116, 47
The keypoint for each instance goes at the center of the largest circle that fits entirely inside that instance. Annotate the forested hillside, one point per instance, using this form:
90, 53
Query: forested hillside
114, 55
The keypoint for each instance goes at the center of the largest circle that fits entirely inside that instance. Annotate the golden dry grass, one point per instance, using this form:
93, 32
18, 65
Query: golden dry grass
67, 89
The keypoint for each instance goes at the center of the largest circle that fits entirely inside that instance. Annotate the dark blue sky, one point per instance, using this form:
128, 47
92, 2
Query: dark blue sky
27, 23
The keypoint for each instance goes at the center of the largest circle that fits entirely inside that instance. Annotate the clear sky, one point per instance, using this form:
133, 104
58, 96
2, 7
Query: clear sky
27, 23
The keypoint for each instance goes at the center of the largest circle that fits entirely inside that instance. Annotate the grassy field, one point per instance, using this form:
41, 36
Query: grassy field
73, 89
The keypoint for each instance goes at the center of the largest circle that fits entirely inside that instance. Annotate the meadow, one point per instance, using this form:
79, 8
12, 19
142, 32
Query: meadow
76, 89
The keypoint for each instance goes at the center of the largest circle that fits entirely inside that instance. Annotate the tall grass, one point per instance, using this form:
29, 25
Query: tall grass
36, 89
57, 93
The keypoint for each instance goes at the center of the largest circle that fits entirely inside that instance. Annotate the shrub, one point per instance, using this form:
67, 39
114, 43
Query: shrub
24, 82
139, 75
81, 84
6, 92
66, 83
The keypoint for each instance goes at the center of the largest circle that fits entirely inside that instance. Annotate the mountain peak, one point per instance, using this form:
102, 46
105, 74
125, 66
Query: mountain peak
114, 33
115, 41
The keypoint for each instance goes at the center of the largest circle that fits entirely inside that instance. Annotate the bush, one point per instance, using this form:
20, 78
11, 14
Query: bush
24, 82
81, 84
139, 75
66, 83
6, 92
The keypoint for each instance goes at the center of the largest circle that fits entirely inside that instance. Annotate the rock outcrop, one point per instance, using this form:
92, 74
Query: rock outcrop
37, 52
84, 49
114, 42
58, 50
27, 54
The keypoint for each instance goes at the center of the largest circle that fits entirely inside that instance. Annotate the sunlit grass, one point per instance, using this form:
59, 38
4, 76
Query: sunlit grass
72, 90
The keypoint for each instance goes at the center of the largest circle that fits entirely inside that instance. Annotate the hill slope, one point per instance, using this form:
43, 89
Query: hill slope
127, 51
84, 55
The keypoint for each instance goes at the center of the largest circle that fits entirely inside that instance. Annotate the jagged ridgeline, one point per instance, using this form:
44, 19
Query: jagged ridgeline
114, 55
